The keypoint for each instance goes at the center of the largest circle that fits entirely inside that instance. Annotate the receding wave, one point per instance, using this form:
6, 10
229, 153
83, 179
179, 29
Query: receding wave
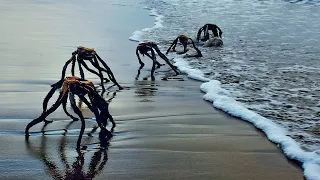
261, 75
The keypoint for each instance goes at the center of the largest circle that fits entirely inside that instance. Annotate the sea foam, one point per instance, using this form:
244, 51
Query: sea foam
221, 100
136, 36
275, 133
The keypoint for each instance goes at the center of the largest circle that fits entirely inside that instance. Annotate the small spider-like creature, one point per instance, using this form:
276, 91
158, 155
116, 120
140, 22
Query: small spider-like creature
183, 39
89, 54
146, 47
71, 86
214, 28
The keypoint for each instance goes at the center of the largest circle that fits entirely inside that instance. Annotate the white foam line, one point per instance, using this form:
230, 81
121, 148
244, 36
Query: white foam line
274, 132
136, 35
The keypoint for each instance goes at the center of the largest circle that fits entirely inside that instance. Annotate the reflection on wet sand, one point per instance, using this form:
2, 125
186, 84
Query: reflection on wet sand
63, 167
146, 89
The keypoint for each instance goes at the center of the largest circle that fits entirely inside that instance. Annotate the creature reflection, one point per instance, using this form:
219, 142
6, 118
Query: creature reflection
65, 167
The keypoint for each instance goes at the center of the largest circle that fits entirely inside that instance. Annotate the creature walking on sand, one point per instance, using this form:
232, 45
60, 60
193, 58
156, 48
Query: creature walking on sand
146, 47
89, 54
71, 86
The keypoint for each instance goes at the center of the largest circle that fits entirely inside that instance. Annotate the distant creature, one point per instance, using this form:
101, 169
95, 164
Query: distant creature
183, 39
145, 48
89, 54
71, 86
214, 28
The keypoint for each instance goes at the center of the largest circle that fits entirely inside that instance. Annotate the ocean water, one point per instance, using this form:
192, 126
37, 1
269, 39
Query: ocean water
267, 72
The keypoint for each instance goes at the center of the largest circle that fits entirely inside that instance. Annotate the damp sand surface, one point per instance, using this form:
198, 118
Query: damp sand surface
164, 129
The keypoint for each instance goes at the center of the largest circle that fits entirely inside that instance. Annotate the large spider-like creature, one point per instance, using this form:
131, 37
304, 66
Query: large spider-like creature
183, 39
71, 86
214, 28
146, 47
89, 54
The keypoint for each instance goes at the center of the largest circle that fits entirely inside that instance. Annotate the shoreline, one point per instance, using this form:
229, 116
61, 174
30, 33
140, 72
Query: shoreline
165, 130
274, 132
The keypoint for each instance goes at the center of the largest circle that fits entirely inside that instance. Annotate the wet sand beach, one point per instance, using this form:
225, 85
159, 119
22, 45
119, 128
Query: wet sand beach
164, 128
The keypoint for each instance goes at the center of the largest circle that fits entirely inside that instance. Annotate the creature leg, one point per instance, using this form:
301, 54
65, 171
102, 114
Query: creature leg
43, 115
73, 58
157, 62
109, 72
138, 56
46, 100
73, 66
95, 63
94, 72
153, 64
83, 99
215, 33
185, 47
80, 67
78, 112
104, 132
174, 46
112, 121
166, 59
138, 74
64, 105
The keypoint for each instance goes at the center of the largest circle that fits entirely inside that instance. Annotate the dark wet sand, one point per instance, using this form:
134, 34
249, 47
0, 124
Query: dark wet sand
164, 128
164, 131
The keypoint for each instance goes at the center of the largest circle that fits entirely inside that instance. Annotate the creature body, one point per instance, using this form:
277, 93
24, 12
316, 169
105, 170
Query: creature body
214, 42
71, 86
89, 54
183, 39
214, 28
145, 48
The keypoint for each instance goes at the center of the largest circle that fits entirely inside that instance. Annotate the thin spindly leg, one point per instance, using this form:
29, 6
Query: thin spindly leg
109, 72
159, 64
103, 106
45, 114
174, 68
64, 105
96, 65
94, 72
80, 67
73, 66
78, 112
153, 64
100, 118
46, 100
66, 66
95, 112
84, 100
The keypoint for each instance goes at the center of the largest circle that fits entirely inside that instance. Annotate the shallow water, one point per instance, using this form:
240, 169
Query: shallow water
270, 58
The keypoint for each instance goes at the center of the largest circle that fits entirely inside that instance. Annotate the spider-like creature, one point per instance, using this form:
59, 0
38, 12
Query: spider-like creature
183, 39
146, 47
89, 54
214, 28
71, 86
